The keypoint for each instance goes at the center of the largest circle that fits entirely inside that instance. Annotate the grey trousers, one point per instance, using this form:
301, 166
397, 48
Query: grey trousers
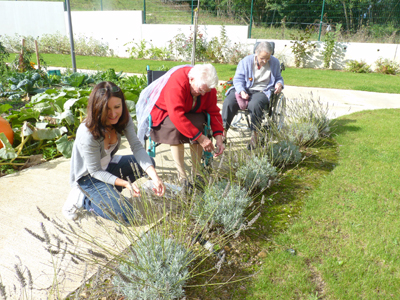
258, 101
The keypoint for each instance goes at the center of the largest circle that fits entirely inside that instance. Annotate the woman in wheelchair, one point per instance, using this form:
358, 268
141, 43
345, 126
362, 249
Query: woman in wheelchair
182, 97
254, 77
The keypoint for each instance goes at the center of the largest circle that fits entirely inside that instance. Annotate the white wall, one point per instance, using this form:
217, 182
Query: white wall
32, 18
343, 53
113, 27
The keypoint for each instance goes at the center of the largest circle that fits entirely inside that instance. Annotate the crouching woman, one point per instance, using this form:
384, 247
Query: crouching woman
94, 166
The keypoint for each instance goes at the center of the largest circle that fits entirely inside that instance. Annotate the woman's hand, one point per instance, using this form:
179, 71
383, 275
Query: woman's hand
244, 95
159, 188
220, 146
206, 143
278, 88
133, 188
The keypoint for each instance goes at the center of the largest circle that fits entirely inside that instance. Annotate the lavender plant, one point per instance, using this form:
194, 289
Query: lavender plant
222, 204
156, 268
285, 153
302, 134
256, 172
307, 110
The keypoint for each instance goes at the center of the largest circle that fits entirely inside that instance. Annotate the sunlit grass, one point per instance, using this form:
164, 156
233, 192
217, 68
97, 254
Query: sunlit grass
346, 239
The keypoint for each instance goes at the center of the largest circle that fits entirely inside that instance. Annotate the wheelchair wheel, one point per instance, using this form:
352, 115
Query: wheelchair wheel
278, 111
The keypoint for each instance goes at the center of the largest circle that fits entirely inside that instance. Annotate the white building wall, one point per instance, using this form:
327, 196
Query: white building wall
116, 28
32, 18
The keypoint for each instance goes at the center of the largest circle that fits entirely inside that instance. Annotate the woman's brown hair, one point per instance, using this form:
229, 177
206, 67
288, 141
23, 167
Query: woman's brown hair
97, 109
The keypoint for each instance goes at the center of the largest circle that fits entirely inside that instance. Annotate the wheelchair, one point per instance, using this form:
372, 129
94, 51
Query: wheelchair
207, 157
274, 113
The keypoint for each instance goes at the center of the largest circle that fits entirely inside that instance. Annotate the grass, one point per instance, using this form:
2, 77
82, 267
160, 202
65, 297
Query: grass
346, 238
372, 82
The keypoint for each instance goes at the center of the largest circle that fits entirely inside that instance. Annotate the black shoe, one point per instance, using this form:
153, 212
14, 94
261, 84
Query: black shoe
199, 183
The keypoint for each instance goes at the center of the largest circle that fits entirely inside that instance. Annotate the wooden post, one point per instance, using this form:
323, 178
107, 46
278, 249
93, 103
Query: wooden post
37, 55
21, 57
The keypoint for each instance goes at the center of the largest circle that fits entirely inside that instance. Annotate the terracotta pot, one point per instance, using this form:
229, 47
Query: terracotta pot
6, 129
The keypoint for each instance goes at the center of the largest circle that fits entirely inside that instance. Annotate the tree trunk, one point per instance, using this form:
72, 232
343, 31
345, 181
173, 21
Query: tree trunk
345, 15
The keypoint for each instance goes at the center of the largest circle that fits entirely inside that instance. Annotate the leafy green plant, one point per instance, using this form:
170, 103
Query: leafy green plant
139, 50
355, 66
181, 46
23, 61
27, 82
285, 153
256, 173
329, 41
302, 46
157, 267
77, 79
387, 66
222, 204
3, 57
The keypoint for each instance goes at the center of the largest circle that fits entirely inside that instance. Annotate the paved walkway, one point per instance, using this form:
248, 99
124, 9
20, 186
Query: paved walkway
46, 186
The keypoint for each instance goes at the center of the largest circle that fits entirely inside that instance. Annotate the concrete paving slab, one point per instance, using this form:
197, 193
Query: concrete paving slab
47, 186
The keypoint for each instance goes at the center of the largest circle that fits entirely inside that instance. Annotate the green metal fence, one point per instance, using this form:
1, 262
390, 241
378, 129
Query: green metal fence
353, 15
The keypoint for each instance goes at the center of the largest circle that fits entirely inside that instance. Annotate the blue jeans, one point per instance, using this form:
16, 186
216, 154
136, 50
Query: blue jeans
104, 199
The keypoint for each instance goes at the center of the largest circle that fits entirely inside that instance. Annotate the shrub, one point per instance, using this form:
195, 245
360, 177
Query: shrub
330, 40
59, 44
285, 153
302, 133
156, 268
309, 111
355, 66
3, 57
222, 204
302, 46
256, 172
386, 66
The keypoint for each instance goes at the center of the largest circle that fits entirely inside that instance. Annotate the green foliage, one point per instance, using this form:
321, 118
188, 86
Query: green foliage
302, 47
330, 40
157, 268
3, 57
222, 204
139, 50
182, 45
256, 172
387, 66
355, 66
302, 134
216, 50
28, 82
285, 153
47, 124
23, 61
77, 79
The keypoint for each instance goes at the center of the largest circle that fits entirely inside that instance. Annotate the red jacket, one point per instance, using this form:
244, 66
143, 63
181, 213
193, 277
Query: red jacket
175, 100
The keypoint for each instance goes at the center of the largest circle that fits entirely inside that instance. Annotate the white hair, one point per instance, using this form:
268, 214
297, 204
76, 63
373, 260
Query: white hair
204, 74
264, 47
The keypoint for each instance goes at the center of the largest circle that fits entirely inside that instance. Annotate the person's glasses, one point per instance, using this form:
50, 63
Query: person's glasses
113, 89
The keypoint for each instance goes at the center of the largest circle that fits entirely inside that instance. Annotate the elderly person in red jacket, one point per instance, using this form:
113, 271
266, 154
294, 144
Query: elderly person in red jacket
178, 103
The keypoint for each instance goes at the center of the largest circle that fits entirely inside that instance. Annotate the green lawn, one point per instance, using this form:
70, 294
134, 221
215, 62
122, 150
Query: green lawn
372, 82
347, 237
